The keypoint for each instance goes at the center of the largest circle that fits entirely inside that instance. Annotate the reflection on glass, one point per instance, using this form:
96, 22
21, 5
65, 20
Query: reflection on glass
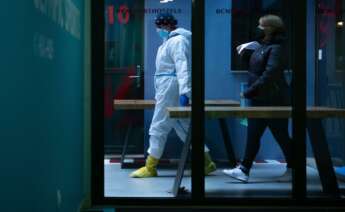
255, 36
148, 69
325, 88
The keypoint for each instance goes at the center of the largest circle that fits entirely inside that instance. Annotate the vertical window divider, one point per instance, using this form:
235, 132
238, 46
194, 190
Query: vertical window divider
97, 82
197, 118
299, 100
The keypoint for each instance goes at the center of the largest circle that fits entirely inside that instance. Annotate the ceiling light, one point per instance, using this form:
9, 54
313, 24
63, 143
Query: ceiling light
340, 23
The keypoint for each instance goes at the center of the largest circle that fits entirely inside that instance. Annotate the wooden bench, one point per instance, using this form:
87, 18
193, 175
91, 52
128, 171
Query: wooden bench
314, 128
144, 104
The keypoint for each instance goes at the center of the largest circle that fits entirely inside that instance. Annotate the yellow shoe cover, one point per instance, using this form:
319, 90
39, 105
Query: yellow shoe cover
144, 172
149, 170
210, 166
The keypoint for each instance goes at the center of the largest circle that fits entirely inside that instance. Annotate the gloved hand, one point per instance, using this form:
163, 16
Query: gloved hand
184, 100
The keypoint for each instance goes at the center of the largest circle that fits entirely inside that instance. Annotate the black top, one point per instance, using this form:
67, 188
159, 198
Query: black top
266, 80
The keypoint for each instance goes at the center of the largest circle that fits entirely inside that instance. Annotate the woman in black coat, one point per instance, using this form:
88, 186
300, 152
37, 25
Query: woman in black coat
267, 86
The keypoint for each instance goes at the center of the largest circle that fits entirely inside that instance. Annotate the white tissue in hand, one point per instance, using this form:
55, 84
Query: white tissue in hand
250, 46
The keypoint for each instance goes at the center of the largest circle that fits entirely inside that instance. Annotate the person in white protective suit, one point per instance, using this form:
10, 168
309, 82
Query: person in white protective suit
172, 82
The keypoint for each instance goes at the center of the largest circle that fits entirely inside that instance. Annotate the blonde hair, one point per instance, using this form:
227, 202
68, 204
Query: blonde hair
273, 23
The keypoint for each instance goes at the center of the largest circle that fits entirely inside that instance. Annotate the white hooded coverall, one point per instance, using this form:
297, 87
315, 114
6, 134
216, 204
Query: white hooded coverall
172, 79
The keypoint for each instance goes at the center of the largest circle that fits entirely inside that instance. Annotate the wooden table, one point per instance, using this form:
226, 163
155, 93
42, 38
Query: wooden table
314, 128
144, 104
256, 112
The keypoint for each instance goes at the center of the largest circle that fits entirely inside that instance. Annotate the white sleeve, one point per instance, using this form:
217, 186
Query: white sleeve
250, 45
180, 54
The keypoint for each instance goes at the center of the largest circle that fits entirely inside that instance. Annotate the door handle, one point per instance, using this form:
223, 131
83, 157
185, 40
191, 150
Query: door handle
137, 77
134, 76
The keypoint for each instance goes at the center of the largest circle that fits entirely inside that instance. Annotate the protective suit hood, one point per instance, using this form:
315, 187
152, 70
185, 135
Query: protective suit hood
181, 31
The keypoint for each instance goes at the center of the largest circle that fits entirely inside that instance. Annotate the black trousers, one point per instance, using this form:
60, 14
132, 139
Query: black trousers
255, 130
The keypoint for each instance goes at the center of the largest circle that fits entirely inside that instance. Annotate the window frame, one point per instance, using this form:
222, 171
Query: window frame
198, 199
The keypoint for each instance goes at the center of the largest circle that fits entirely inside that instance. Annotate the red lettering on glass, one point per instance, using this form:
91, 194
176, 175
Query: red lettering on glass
111, 15
123, 14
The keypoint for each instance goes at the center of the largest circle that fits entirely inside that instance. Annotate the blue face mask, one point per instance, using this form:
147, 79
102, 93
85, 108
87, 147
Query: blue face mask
164, 34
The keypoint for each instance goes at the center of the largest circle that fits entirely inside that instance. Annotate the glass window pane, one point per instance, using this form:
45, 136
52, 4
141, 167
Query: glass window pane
325, 88
143, 71
248, 148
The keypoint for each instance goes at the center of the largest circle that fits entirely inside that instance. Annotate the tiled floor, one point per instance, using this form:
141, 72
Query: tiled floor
262, 183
